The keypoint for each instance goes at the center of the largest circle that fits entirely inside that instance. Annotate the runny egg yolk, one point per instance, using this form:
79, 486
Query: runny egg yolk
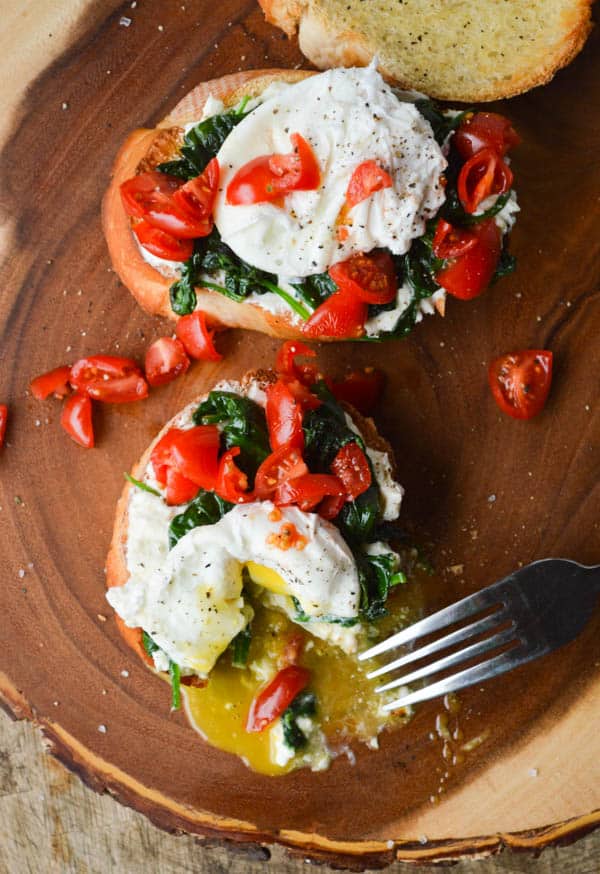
267, 578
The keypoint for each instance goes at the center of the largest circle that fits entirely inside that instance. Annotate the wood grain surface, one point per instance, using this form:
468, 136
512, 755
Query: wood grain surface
485, 492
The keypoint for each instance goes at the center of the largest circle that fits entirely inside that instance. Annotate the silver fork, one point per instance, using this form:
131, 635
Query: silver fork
535, 610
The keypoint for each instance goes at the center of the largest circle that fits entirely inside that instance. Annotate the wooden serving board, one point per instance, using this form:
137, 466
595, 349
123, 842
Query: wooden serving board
485, 492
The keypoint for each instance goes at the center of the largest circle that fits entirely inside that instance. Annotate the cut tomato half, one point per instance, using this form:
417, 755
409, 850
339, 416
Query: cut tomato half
54, 382
166, 359
283, 464
520, 382
197, 338
76, 419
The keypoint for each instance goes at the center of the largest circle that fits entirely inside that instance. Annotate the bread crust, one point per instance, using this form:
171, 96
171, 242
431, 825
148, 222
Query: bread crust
143, 149
116, 562
327, 45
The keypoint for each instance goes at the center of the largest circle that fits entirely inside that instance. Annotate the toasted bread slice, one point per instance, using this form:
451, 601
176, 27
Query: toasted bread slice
116, 563
467, 50
143, 150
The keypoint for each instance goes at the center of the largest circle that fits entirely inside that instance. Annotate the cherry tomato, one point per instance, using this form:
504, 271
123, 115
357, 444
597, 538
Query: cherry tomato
194, 454
451, 242
270, 177
276, 697
196, 337
232, 483
284, 417
54, 382
76, 419
308, 490
371, 278
520, 382
331, 506
179, 489
467, 276
162, 244
485, 130
148, 191
341, 315
350, 465
165, 360
3, 421
109, 378
482, 175
195, 199
282, 464
366, 179
361, 388
288, 367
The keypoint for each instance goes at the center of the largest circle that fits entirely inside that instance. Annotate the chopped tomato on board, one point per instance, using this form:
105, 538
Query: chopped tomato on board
485, 130
54, 382
284, 417
308, 490
520, 382
166, 359
361, 388
76, 419
342, 315
3, 422
270, 177
197, 338
481, 176
350, 465
287, 366
161, 243
366, 179
109, 378
276, 697
370, 278
232, 483
452, 242
282, 464
194, 454
470, 274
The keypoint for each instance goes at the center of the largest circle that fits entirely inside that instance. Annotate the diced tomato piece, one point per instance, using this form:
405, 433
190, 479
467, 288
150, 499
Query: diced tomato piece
3, 423
195, 335
194, 453
195, 199
166, 359
271, 177
452, 242
179, 489
276, 697
485, 130
232, 483
161, 243
361, 388
371, 278
147, 191
284, 417
109, 378
290, 369
350, 465
470, 274
160, 457
366, 179
520, 382
481, 176
342, 315
55, 382
283, 464
331, 506
76, 419
308, 490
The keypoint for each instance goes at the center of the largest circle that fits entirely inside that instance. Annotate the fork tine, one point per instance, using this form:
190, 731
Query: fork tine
468, 631
499, 664
449, 661
462, 609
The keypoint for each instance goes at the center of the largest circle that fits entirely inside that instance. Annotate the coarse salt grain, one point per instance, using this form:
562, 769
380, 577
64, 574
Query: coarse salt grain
125, 674
124, 21
102, 729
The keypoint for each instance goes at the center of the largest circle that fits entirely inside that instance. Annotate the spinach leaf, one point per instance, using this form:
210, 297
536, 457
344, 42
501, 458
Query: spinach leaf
149, 644
315, 289
358, 518
301, 616
441, 124
304, 704
506, 264
201, 143
244, 425
182, 293
240, 647
175, 675
377, 575
206, 509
